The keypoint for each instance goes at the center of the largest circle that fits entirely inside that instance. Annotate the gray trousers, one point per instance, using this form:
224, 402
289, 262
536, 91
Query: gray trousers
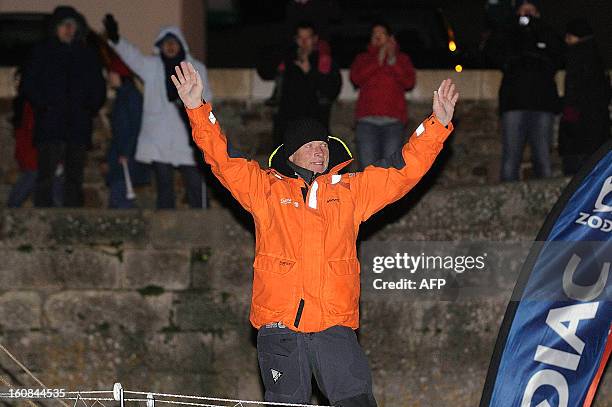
288, 360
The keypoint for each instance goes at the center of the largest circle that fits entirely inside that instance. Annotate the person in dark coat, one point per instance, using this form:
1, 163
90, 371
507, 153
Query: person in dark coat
311, 82
126, 118
529, 54
585, 123
63, 81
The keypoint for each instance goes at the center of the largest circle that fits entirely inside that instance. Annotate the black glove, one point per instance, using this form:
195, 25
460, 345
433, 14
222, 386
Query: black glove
112, 28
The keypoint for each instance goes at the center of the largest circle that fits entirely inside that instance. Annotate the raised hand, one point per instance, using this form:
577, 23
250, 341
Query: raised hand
444, 101
188, 84
111, 27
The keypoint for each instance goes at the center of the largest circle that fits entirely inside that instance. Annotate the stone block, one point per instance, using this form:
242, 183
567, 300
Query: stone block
28, 349
206, 311
193, 228
108, 312
63, 267
36, 227
188, 352
20, 311
168, 269
101, 227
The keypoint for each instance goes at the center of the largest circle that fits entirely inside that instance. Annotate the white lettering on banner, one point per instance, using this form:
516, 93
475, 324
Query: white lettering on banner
598, 221
594, 222
605, 190
546, 377
557, 319
572, 314
555, 357
583, 292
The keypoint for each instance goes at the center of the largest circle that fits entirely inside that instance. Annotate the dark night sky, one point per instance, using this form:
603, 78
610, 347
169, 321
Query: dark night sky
467, 16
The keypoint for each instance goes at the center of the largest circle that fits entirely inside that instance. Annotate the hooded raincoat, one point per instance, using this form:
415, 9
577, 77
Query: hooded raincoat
163, 136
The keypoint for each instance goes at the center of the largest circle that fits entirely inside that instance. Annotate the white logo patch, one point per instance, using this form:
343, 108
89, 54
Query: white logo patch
276, 374
336, 178
598, 218
212, 118
420, 129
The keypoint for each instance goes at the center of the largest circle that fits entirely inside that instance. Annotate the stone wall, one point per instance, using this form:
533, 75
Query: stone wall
159, 300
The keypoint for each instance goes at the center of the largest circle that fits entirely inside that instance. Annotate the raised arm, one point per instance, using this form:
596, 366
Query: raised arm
243, 178
388, 180
129, 53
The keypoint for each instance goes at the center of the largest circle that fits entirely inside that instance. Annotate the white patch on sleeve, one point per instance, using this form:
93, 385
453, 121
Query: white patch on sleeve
420, 129
212, 118
336, 178
312, 199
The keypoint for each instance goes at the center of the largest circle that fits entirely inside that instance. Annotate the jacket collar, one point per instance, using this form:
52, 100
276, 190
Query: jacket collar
339, 157
334, 170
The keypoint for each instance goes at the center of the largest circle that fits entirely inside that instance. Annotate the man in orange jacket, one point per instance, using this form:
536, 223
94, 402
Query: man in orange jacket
307, 213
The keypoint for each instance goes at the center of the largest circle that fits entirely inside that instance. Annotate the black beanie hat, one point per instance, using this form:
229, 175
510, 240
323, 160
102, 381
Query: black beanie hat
579, 27
302, 131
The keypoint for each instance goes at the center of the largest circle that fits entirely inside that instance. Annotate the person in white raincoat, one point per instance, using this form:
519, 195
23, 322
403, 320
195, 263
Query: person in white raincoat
165, 137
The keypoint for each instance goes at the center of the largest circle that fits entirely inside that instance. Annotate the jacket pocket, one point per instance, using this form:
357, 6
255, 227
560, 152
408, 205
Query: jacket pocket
342, 286
272, 264
273, 285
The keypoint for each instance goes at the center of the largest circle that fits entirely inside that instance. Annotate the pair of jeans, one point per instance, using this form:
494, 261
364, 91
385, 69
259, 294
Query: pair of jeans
25, 185
289, 359
193, 179
50, 155
518, 128
377, 141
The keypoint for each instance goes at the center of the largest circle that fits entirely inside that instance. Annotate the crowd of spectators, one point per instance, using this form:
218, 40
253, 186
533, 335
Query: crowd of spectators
62, 87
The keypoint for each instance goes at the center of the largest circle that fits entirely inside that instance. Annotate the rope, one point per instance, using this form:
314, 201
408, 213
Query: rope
97, 400
25, 369
270, 403
187, 403
7, 383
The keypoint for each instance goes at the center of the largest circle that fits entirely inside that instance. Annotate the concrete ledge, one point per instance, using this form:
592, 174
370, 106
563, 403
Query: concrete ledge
245, 84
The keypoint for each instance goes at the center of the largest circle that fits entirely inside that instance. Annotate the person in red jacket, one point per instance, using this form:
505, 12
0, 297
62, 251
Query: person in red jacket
383, 74
26, 154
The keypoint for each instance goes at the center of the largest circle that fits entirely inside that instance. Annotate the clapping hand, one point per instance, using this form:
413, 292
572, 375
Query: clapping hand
444, 100
188, 84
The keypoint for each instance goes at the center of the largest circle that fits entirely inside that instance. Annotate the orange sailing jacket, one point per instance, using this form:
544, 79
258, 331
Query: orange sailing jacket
306, 272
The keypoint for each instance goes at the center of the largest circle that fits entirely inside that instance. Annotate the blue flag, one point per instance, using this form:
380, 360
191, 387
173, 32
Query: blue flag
555, 339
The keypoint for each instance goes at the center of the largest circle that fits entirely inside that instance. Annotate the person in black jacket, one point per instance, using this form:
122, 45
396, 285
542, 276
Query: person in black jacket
311, 81
585, 123
529, 54
63, 81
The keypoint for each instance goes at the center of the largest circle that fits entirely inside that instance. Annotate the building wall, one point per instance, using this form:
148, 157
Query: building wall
139, 21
